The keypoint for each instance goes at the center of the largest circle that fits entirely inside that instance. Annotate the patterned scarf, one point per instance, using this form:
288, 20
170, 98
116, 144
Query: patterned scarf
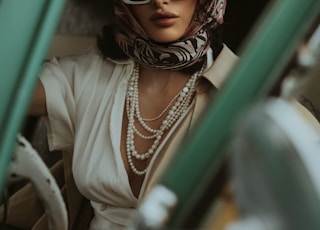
190, 49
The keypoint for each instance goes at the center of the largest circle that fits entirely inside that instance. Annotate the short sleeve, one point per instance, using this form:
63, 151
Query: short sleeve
57, 79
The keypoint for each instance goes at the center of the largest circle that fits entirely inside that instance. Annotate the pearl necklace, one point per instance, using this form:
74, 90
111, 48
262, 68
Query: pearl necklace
182, 101
158, 116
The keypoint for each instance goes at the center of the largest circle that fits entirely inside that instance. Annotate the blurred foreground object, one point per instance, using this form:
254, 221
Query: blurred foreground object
276, 153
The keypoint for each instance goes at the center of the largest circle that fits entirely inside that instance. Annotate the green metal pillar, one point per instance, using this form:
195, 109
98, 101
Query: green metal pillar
26, 29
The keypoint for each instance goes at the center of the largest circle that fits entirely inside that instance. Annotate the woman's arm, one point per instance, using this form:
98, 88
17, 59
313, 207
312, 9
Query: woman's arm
38, 102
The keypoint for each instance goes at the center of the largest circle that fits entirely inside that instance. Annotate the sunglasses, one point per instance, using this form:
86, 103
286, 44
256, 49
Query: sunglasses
136, 2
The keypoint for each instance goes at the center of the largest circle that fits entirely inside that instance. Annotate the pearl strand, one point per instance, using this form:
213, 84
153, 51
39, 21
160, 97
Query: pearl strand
161, 113
182, 103
182, 100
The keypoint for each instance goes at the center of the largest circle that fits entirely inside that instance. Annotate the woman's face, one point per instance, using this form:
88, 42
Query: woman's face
165, 20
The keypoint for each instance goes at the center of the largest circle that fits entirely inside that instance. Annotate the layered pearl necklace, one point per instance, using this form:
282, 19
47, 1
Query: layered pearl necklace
179, 105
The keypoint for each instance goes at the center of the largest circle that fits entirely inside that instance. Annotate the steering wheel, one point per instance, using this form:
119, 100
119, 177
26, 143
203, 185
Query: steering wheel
27, 163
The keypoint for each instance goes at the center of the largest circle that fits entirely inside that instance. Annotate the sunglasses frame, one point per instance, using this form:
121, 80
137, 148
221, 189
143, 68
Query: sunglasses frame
140, 2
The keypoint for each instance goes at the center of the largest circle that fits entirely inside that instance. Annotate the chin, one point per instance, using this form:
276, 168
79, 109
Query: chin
165, 35
165, 39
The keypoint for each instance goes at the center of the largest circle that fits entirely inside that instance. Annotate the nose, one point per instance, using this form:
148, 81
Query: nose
160, 3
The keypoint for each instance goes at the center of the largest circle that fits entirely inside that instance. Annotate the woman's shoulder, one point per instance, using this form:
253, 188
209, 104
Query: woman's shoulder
88, 60
84, 70
219, 68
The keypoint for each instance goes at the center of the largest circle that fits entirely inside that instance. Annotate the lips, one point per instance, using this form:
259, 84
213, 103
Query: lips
164, 19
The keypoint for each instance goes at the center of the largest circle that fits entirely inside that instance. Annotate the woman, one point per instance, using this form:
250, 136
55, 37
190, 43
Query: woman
121, 115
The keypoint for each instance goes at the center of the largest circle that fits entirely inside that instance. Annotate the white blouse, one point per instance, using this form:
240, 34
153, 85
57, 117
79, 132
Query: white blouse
85, 98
